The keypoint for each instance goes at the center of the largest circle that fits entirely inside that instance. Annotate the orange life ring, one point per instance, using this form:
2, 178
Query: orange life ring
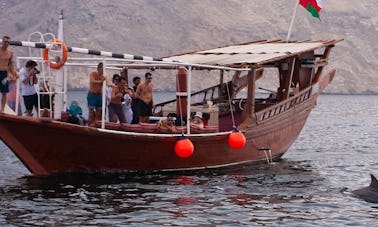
56, 65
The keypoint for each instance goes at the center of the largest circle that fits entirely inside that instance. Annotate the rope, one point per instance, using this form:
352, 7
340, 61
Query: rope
181, 119
229, 101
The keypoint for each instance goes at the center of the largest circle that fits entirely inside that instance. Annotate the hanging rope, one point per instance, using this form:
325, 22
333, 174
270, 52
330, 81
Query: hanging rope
229, 101
181, 119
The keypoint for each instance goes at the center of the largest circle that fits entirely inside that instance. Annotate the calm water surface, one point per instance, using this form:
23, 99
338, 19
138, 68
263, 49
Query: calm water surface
311, 186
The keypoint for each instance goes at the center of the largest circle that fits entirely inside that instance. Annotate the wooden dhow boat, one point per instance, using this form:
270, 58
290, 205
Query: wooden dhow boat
269, 123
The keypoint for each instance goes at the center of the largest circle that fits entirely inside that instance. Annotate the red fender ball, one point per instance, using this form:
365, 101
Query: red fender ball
184, 148
236, 140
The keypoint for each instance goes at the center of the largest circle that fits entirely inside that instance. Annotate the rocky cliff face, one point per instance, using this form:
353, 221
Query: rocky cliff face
165, 27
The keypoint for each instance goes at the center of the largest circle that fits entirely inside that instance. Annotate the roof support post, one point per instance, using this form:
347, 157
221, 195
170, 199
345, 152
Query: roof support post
189, 92
221, 75
250, 105
325, 56
103, 112
286, 71
181, 92
249, 109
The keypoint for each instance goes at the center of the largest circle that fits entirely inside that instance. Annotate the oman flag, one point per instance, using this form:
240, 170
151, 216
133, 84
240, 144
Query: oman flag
313, 6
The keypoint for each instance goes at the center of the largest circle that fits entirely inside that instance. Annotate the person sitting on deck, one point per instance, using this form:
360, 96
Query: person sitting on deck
197, 121
168, 123
76, 114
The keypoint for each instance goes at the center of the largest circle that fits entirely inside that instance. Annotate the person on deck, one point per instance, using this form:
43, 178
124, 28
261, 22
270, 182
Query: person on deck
115, 105
127, 100
12, 95
7, 72
115, 80
94, 97
197, 121
76, 112
28, 80
134, 101
168, 123
145, 103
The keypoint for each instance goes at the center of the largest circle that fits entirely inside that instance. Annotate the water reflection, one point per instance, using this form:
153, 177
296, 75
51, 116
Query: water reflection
149, 198
333, 155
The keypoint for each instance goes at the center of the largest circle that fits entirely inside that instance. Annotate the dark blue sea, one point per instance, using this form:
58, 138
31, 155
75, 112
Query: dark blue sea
310, 186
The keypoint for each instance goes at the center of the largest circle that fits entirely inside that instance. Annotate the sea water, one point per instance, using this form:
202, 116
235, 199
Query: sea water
310, 186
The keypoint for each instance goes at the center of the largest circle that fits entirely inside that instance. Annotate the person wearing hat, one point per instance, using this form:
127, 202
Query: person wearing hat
197, 121
28, 80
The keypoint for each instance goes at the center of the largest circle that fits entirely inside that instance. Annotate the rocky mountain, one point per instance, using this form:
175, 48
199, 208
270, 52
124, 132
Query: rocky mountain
165, 27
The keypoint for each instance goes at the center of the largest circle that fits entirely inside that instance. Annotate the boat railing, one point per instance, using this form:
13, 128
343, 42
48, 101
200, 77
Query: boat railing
283, 106
198, 98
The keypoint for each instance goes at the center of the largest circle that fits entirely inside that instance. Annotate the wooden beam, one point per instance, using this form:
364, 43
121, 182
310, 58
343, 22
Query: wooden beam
249, 109
324, 57
288, 76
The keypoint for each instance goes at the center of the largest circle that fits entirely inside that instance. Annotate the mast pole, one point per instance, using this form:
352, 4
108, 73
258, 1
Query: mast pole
59, 99
292, 21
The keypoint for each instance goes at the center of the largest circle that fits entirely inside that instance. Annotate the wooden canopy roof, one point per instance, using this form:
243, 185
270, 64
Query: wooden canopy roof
242, 55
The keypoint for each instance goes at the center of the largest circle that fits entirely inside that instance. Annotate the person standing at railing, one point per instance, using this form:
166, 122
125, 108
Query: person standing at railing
94, 97
7, 71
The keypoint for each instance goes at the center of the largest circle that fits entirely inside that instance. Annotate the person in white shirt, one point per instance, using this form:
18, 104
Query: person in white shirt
28, 79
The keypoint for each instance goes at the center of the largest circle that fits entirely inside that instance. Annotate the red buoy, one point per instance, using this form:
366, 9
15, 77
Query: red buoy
184, 148
236, 140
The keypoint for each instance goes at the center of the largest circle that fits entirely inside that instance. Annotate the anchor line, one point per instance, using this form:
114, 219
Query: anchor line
270, 155
269, 158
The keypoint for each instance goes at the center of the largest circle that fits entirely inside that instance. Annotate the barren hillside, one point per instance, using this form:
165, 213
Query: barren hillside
164, 27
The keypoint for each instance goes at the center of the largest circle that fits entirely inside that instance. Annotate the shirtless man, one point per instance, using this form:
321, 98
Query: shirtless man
168, 123
144, 94
115, 105
94, 97
6, 67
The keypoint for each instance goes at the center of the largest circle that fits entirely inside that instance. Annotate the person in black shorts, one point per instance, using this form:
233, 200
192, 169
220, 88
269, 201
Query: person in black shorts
28, 79
145, 103
134, 101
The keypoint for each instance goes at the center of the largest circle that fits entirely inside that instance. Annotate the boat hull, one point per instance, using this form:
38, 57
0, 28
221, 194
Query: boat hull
46, 146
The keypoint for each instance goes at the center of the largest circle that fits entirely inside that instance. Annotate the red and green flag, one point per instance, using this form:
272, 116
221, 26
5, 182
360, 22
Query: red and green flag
313, 6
